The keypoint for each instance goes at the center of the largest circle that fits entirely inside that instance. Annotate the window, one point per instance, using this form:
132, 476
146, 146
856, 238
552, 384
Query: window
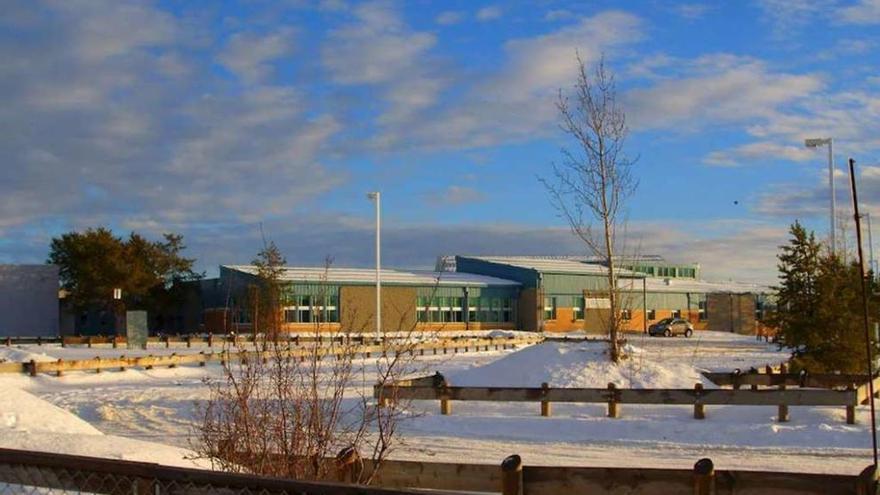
652, 314
312, 309
473, 307
759, 310
577, 312
549, 308
456, 309
702, 309
676, 313
626, 315
507, 309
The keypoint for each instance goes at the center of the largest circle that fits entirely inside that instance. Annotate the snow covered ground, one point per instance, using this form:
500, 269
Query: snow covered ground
148, 414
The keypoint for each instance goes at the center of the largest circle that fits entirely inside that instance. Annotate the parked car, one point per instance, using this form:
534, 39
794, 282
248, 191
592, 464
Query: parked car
671, 326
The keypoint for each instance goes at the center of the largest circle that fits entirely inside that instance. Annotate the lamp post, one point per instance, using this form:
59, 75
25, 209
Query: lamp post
871, 262
377, 198
815, 143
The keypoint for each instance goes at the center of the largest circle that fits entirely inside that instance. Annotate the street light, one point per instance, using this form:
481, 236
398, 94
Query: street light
377, 198
815, 143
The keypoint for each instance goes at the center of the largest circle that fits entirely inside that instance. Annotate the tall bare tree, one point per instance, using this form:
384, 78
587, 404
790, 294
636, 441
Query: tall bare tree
590, 185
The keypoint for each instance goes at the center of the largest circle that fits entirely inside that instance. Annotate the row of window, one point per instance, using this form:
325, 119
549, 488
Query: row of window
625, 314
452, 309
312, 309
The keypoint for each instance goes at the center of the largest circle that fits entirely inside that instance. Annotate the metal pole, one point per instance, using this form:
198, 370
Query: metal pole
644, 304
378, 266
871, 265
868, 349
833, 199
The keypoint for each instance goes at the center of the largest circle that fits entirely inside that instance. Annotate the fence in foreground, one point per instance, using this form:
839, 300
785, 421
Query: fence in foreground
98, 364
25, 472
438, 388
36, 472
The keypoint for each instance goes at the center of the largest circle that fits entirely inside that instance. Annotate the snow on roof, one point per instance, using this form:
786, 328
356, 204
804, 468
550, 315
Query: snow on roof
657, 284
389, 276
552, 264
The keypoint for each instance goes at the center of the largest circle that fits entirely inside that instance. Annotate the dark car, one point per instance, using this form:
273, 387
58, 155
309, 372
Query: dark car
671, 326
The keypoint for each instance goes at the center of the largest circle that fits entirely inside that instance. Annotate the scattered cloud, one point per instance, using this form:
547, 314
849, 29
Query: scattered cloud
691, 11
759, 152
455, 195
717, 89
449, 17
489, 13
558, 15
249, 55
863, 12
789, 17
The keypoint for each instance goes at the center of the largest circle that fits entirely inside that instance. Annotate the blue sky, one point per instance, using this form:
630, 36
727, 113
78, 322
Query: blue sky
211, 118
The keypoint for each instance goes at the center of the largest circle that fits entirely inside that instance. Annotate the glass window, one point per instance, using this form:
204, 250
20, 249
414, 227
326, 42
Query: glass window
652, 314
676, 313
549, 308
703, 312
578, 309
626, 315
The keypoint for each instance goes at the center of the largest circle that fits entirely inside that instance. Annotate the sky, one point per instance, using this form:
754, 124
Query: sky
229, 122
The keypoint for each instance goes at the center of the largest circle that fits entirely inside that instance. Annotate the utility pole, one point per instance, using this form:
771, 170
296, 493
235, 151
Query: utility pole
377, 198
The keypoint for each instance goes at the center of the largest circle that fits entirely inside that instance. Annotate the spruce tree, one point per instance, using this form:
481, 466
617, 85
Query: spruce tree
819, 307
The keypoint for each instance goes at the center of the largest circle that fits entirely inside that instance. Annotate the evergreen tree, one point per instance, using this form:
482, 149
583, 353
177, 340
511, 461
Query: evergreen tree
268, 293
819, 307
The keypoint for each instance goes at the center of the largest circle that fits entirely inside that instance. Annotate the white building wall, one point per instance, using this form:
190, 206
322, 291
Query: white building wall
28, 300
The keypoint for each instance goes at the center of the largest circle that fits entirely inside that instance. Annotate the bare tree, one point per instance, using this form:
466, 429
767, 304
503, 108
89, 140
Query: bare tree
591, 184
285, 409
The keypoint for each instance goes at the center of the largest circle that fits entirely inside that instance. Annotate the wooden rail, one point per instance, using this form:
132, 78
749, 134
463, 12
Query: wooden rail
512, 476
699, 398
98, 364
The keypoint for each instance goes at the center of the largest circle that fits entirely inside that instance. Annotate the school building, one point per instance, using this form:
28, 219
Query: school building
530, 293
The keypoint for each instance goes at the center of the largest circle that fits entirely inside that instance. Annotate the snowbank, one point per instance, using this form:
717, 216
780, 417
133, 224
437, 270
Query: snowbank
580, 365
30, 423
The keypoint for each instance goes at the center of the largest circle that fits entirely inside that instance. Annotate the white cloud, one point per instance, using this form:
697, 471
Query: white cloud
691, 11
489, 13
863, 12
377, 48
558, 15
790, 17
249, 55
455, 195
449, 17
759, 151
717, 89
517, 102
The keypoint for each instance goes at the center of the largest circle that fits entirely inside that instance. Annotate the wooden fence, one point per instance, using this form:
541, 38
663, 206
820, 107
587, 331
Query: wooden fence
438, 388
511, 477
60, 366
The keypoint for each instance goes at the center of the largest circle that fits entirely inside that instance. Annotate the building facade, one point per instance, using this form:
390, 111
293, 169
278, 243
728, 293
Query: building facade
530, 293
29, 301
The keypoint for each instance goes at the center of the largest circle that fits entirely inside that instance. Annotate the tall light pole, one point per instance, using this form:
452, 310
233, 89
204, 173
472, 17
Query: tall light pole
871, 265
815, 143
377, 198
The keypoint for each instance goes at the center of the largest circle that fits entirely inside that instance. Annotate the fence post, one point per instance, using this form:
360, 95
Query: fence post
97, 364
122, 358
60, 364
512, 475
89, 341
704, 477
33, 368
445, 403
114, 342
149, 360
699, 408
867, 484
210, 340
545, 405
173, 363
9, 341
613, 410
348, 465
783, 408
851, 409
